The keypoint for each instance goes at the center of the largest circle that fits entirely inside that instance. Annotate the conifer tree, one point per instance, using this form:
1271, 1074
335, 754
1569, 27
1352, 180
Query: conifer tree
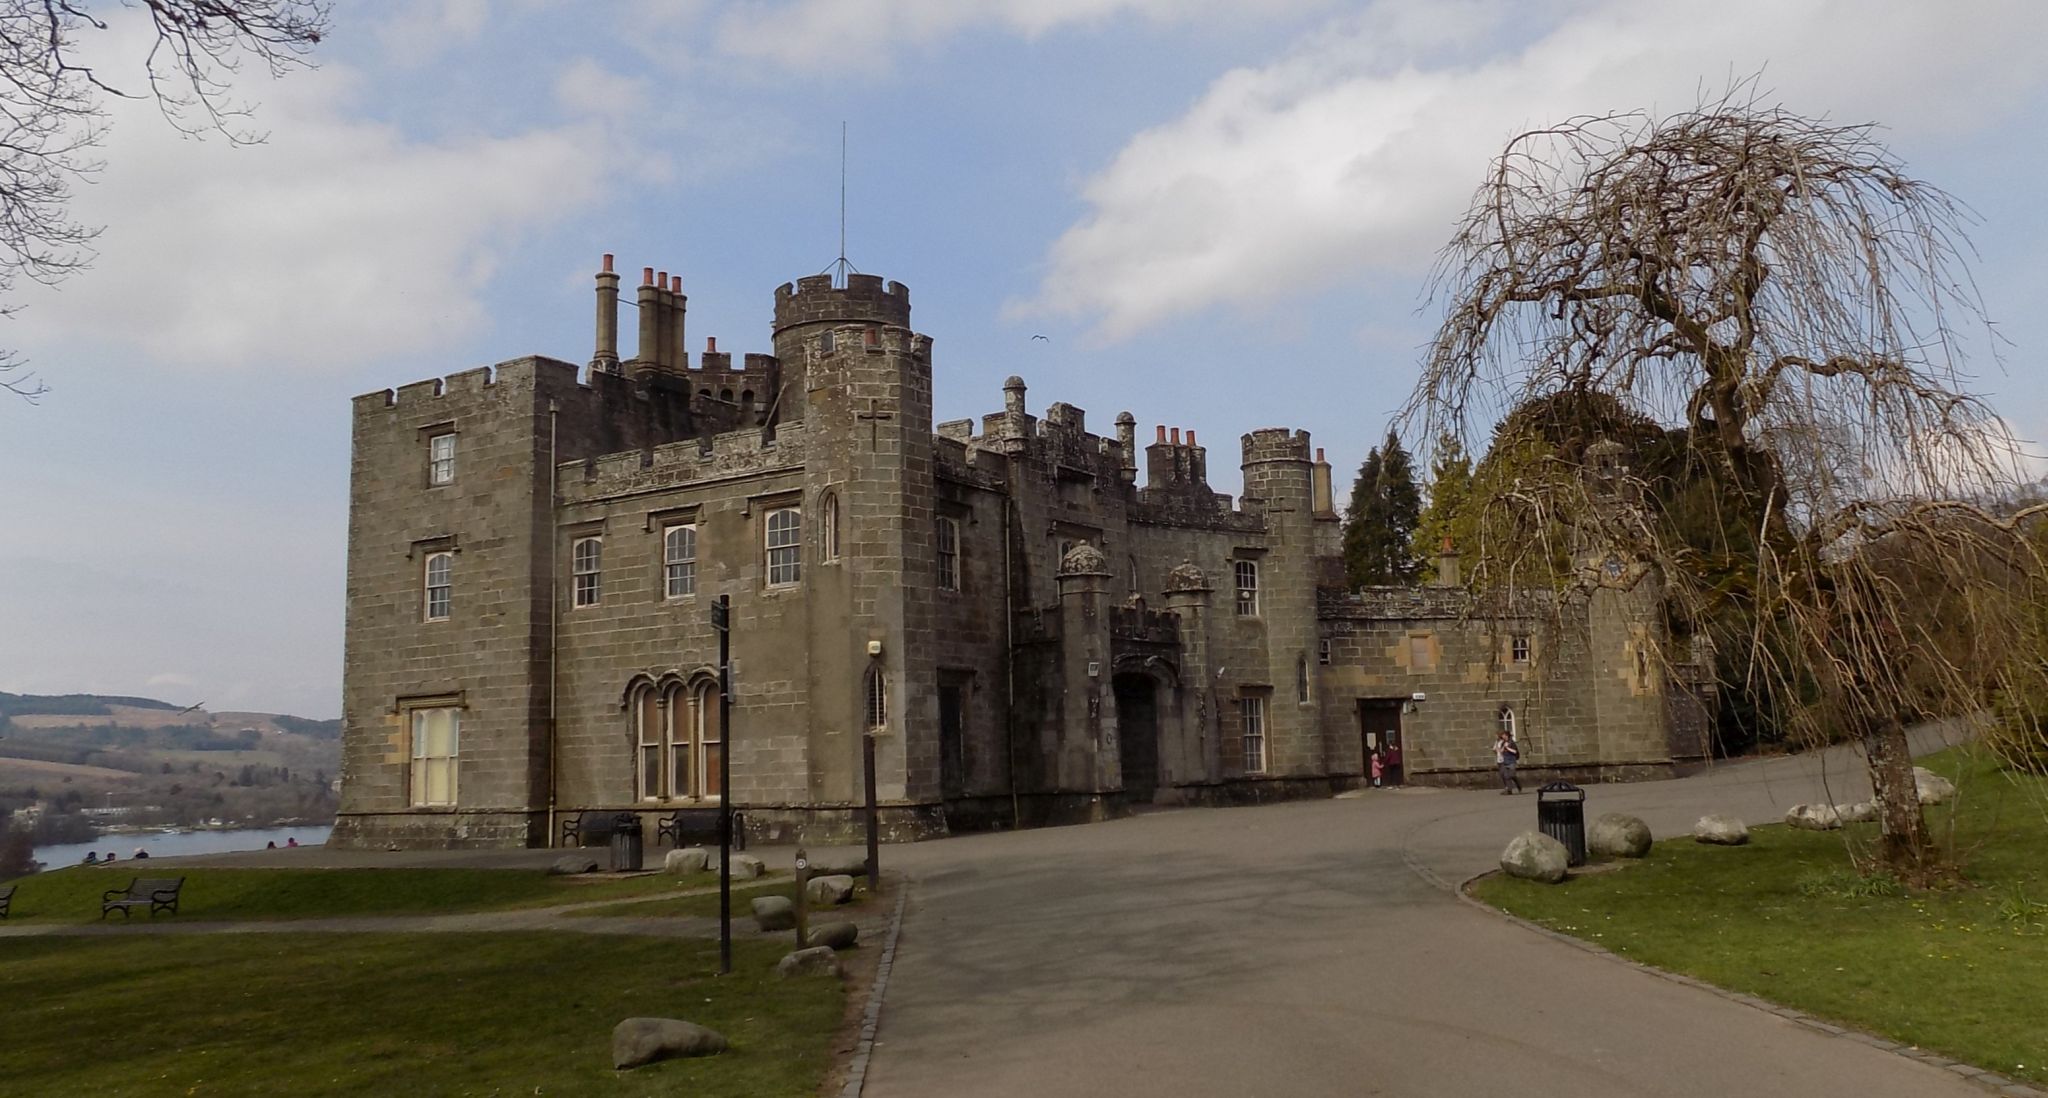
1450, 485
1379, 526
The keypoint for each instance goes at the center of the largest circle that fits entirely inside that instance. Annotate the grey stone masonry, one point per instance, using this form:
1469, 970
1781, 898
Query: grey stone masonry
1022, 630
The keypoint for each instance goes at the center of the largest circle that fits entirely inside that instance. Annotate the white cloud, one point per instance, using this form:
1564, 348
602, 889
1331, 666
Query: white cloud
337, 240
416, 33
1358, 150
856, 34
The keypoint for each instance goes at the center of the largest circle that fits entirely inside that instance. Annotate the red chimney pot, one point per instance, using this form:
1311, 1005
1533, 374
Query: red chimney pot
711, 345
1176, 436
646, 276
1162, 432
1191, 436
607, 262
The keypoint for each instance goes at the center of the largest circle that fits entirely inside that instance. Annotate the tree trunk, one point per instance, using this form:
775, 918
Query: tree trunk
1904, 846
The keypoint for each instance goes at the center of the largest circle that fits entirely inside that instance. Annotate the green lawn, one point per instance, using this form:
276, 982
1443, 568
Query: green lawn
73, 894
1961, 971
418, 1015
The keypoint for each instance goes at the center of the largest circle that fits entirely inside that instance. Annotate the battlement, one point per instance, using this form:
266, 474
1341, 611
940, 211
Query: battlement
862, 338
675, 464
1276, 444
517, 374
864, 298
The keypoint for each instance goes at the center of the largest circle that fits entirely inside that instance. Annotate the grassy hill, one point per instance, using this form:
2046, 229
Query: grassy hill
156, 763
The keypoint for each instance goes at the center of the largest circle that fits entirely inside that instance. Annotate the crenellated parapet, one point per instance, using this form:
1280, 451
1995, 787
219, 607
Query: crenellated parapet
815, 300
730, 455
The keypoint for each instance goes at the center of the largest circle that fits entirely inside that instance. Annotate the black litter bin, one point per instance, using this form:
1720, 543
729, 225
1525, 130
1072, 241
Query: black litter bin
626, 843
1561, 814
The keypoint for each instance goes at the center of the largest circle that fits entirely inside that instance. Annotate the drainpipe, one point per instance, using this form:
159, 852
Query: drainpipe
554, 613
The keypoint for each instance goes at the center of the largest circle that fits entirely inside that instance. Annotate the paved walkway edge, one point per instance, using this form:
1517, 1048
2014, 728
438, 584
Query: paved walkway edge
871, 1017
1991, 1081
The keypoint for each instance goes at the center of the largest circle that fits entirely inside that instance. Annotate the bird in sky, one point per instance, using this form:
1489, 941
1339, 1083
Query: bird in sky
1048, 339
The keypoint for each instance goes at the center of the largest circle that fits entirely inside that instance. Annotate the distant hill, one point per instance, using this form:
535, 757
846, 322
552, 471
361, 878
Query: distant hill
89, 759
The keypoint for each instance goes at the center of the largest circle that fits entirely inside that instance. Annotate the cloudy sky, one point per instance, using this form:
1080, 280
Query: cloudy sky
1221, 214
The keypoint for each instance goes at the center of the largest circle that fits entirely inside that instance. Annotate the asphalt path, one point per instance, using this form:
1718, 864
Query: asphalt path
1312, 948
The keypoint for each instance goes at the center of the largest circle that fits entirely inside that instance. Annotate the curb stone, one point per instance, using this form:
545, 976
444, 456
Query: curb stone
871, 1015
1991, 1081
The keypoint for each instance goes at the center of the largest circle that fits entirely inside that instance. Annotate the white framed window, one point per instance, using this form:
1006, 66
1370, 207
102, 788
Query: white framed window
679, 561
785, 542
1506, 720
876, 691
1251, 710
828, 535
949, 554
1247, 572
586, 563
435, 740
440, 585
441, 459
1518, 648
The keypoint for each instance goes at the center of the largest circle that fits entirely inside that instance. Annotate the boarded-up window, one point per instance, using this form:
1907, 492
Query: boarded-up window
1421, 652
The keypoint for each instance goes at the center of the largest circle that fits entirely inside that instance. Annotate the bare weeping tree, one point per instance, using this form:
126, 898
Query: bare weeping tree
1786, 301
52, 108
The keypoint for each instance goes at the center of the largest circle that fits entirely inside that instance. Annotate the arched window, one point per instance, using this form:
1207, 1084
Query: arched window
586, 561
828, 533
698, 759
676, 742
650, 733
1507, 721
1301, 677
876, 690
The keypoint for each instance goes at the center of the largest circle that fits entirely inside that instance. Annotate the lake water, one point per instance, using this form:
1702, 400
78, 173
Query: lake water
170, 844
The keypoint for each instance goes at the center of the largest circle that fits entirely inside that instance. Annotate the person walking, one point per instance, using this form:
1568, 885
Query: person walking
1506, 753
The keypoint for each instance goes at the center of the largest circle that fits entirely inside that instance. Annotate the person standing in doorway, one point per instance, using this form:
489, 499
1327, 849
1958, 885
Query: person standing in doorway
1393, 763
1378, 768
1506, 753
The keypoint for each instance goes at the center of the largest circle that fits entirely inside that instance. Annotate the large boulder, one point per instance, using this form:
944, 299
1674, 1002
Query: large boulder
835, 935
745, 867
569, 865
1862, 812
690, 859
1934, 789
851, 861
638, 1041
1534, 856
1720, 831
1813, 817
1614, 835
774, 913
836, 889
815, 961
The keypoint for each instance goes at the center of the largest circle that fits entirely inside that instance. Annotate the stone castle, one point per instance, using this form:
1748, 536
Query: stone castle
1027, 629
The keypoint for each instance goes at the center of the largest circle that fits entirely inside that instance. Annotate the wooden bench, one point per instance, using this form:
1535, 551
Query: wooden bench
700, 823
596, 832
6, 899
154, 893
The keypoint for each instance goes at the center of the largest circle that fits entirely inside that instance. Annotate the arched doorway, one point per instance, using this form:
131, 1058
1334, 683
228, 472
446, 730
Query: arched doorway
1137, 722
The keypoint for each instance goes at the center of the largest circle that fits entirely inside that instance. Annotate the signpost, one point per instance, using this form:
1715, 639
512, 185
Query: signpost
803, 899
721, 620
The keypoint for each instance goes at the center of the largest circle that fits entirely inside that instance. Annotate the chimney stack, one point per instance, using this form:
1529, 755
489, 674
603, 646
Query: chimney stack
1447, 565
606, 358
1319, 481
649, 355
678, 349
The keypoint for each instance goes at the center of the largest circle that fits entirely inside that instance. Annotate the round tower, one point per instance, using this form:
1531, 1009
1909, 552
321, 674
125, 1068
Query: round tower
809, 308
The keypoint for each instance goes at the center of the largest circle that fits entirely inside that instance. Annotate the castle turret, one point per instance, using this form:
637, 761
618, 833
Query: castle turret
1279, 479
810, 309
1087, 758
